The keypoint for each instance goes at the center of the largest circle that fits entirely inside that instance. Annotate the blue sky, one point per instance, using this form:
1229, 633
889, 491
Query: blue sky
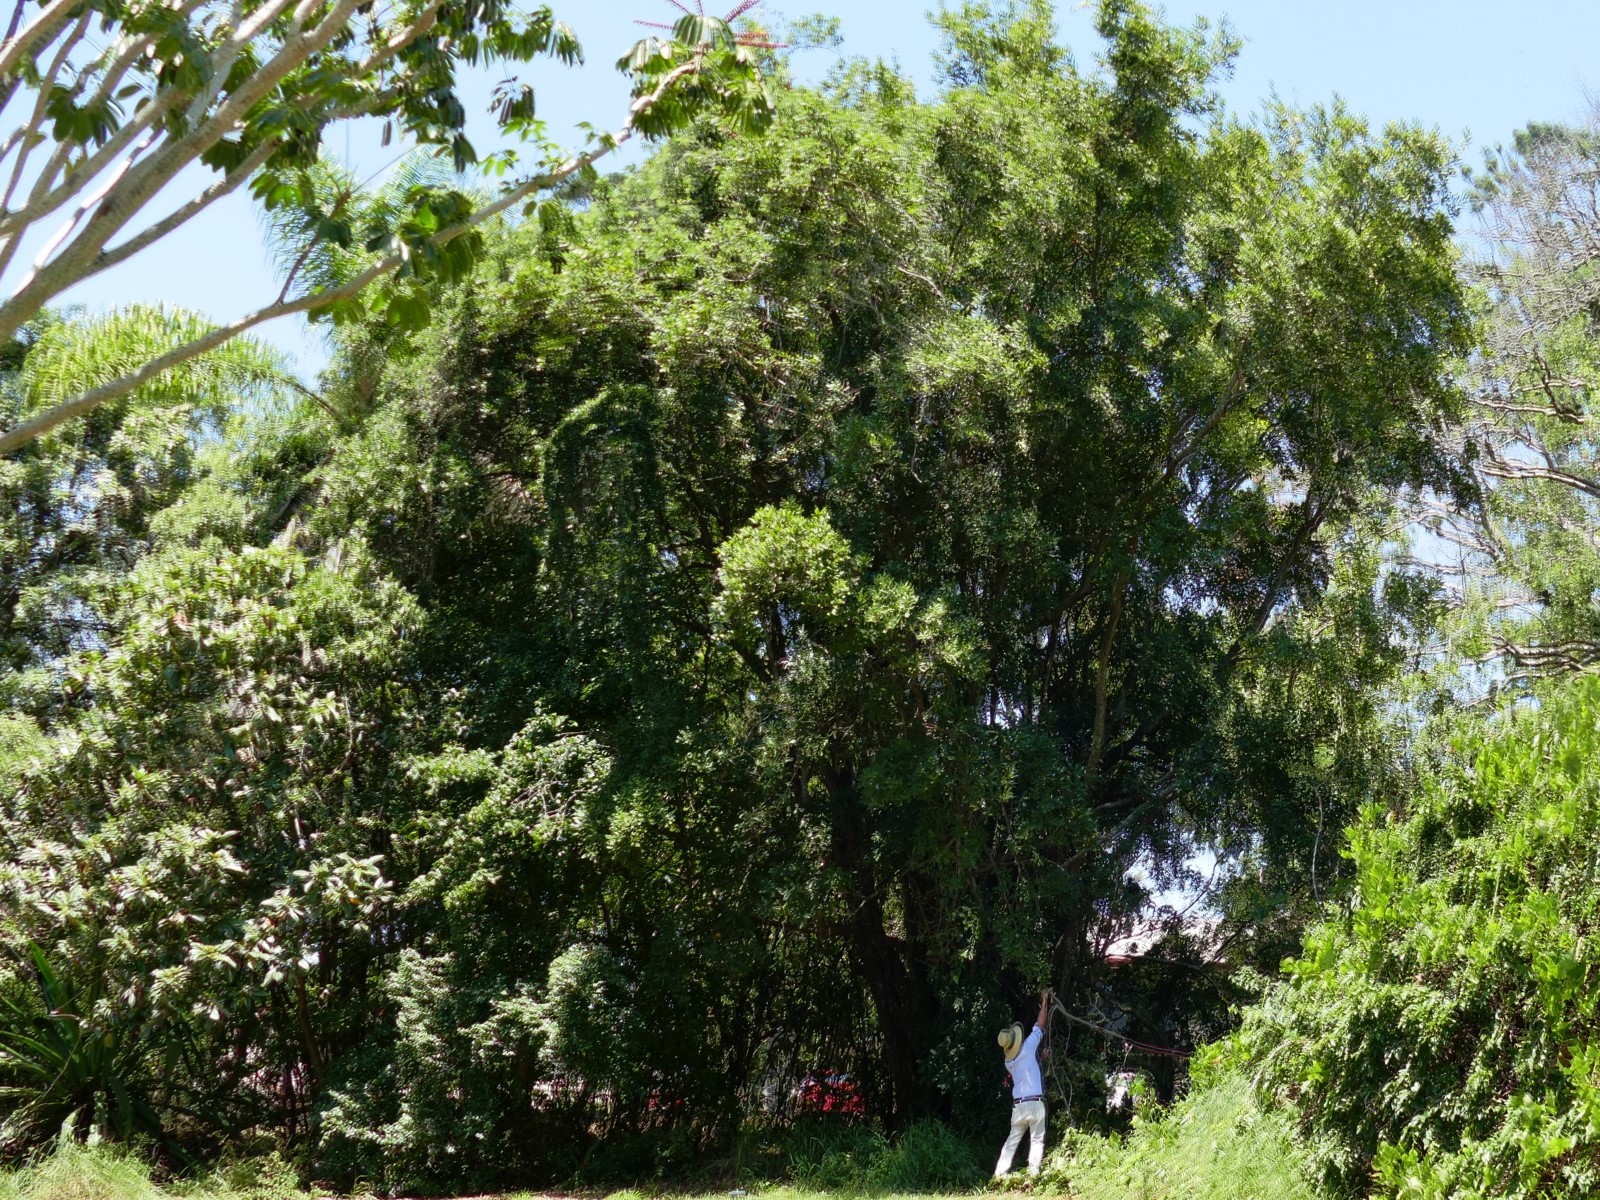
1475, 69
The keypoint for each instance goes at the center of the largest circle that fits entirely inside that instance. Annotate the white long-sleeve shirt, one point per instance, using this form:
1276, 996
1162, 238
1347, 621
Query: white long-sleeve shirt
1025, 1077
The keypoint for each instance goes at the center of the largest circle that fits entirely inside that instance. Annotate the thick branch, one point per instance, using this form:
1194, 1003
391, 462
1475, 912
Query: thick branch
146, 180
89, 400
18, 48
32, 134
1506, 469
45, 199
154, 233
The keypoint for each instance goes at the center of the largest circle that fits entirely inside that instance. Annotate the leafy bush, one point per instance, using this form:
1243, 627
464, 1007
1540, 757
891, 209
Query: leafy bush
1218, 1144
1443, 1034
640, 1156
194, 895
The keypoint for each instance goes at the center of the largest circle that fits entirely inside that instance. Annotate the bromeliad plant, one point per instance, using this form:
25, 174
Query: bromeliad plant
65, 1060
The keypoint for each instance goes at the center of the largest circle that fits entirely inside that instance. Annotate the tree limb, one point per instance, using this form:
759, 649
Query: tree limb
107, 259
93, 398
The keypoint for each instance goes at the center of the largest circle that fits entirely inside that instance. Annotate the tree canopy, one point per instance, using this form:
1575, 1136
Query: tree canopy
767, 621
1522, 566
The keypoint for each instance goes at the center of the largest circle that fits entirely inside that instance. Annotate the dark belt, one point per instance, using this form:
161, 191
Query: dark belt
1026, 1099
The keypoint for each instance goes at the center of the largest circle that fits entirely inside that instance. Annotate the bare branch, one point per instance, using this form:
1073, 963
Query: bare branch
109, 169
88, 203
146, 180
20, 46
154, 233
1568, 415
32, 131
1505, 469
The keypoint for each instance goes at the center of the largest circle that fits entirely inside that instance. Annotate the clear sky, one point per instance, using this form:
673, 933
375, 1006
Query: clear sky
1475, 69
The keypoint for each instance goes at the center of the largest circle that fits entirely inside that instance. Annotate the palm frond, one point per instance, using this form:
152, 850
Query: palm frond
73, 356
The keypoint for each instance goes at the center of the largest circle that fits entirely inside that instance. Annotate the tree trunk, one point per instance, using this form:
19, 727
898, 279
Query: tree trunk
878, 955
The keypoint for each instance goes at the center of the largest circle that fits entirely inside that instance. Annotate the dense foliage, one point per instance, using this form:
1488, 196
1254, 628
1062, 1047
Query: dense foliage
761, 629
1220, 1143
1441, 1033
1436, 1037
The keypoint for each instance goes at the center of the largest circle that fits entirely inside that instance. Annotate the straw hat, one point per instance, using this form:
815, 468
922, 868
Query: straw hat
1010, 1040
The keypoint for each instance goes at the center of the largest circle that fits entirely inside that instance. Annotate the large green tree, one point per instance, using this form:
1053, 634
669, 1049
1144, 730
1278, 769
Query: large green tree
945, 494
761, 626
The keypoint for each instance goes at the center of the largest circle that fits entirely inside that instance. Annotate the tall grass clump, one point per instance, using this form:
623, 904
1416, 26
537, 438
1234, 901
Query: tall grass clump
834, 1159
1219, 1143
74, 1170
927, 1157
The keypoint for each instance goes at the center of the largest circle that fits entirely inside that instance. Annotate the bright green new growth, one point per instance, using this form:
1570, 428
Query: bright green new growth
1218, 1144
1445, 1031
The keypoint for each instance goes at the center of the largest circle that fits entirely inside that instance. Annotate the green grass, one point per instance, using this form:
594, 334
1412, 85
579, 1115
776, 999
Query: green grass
781, 1192
1218, 1144
787, 1192
73, 1171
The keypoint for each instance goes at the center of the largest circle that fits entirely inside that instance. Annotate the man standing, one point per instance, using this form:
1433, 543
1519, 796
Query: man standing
1027, 1090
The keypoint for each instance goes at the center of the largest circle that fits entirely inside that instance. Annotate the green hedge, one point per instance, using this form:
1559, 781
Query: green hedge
1441, 1037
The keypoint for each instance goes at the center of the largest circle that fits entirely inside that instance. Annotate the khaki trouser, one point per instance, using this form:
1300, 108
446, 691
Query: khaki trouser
1027, 1116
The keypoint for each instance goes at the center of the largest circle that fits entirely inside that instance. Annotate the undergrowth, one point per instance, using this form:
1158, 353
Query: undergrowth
75, 1171
835, 1159
928, 1157
1217, 1144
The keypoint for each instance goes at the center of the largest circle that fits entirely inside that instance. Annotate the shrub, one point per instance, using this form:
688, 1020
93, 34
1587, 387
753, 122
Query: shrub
640, 1155
1444, 1033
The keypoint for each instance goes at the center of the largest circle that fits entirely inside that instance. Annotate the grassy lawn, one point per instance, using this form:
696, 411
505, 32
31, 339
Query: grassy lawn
1219, 1144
